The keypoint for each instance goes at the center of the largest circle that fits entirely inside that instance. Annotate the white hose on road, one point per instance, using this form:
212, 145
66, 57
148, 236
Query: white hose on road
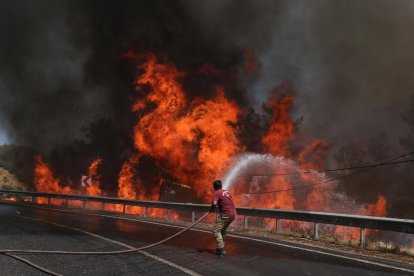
35, 266
114, 252
9, 252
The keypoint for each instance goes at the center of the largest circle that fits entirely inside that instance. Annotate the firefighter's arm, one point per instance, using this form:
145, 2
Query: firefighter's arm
213, 206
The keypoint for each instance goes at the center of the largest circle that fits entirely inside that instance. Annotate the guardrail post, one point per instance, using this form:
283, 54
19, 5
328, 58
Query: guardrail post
48, 201
278, 226
246, 222
146, 211
192, 216
84, 204
103, 206
168, 214
123, 209
316, 231
33, 199
66, 203
362, 237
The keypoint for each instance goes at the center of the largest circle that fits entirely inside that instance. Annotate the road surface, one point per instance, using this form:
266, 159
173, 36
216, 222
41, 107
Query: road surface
24, 227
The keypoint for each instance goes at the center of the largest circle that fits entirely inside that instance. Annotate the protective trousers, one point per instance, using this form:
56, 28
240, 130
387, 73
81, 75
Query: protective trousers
219, 229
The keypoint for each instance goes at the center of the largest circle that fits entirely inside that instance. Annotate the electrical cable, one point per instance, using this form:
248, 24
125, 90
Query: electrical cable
368, 166
331, 179
114, 252
337, 169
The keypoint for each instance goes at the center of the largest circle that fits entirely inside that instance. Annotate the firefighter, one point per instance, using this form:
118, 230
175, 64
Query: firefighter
224, 201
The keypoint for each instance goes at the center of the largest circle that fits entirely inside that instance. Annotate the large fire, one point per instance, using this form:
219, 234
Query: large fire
196, 140
47, 182
193, 140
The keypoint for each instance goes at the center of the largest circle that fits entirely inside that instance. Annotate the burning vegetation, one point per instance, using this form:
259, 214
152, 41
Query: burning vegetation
210, 91
194, 140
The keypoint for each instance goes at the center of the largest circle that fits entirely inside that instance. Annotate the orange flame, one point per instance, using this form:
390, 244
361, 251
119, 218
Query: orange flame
196, 139
378, 209
45, 180
282, 128
126, 181
127, 184
193, 140
94, 189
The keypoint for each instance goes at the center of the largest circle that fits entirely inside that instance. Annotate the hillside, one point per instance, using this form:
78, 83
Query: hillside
16, 166
9, 181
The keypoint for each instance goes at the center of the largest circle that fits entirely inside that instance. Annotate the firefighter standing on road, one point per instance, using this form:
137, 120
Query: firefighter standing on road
224, 201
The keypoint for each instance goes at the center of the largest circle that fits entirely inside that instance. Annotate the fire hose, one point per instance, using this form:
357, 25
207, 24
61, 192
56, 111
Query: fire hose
35, 266
9, 252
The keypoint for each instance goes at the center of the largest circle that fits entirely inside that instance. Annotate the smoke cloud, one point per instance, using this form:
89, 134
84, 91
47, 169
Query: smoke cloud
63, 75
61, 63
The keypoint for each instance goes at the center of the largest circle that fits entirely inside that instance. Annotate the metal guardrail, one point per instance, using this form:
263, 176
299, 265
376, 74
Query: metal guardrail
363, 222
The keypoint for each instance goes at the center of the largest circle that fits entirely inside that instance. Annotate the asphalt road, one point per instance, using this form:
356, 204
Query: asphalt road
190, 253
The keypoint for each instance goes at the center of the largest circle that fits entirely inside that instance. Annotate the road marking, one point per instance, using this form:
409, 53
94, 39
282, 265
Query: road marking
181, 268
257, 240
268, 242
241, 237
33, 265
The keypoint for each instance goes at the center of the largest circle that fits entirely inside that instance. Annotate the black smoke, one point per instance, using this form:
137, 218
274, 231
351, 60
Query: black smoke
66, 89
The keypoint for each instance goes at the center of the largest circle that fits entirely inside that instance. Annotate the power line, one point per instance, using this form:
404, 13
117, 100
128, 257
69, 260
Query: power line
336, 178
337, 169
363, 169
